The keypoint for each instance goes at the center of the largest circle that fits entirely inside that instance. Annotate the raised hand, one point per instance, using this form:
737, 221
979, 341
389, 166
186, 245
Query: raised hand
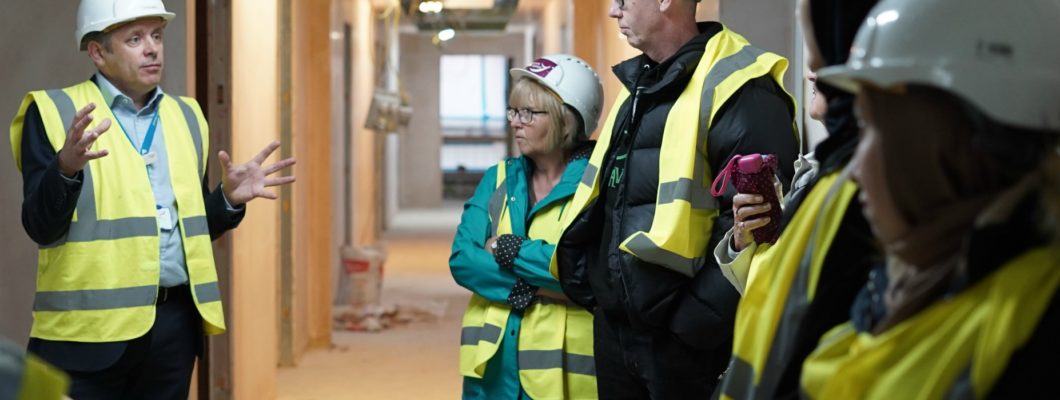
75, 152
245, 182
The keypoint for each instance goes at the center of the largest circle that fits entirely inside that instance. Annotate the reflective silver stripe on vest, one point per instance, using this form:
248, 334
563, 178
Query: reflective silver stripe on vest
112, 229
196, 226
96, 299
795, 307
496, 206
721, 71
739, 380
207, 292
471, 335
685, 189
64, 105
548, 359
643, 248
193, 126
589, 176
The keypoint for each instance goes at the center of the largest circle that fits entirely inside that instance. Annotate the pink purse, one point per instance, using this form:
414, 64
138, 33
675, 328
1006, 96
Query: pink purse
754, 174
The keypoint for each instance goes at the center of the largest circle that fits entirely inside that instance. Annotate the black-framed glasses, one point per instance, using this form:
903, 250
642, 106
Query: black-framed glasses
525, 115
621, 4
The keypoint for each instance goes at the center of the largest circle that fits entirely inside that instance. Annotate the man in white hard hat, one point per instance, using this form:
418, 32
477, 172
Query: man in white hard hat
114, 194
636, 251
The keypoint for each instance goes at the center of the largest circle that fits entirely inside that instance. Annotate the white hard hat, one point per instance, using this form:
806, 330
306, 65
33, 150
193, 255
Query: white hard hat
98, 15
1001, 56
573, 80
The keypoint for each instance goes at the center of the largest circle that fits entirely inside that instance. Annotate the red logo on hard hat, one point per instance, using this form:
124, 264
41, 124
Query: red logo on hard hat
541, 67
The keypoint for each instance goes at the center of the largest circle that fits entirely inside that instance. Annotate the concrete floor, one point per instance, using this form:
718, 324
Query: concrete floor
413, 361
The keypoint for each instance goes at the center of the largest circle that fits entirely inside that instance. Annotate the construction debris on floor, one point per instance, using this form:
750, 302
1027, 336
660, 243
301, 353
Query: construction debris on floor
376, 318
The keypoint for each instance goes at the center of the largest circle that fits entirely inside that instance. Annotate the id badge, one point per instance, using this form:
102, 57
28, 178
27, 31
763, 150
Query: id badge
165, 219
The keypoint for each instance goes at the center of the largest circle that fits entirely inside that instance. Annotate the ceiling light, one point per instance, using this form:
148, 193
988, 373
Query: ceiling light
446, 34
431, 6
470, 4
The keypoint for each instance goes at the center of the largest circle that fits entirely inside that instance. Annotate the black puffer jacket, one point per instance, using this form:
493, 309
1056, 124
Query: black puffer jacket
595, 273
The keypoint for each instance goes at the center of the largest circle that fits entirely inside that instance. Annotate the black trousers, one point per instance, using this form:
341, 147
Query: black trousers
157, 365
650, 364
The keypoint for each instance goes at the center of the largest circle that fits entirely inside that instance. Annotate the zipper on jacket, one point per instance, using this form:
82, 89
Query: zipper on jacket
616, 177
634, 121
628, 132
628, 137
619, 222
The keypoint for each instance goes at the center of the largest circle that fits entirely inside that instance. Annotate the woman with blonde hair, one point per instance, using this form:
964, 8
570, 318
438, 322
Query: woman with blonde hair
521, 337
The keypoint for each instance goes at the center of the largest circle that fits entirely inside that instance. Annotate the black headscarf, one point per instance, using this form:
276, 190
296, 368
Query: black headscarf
835, 23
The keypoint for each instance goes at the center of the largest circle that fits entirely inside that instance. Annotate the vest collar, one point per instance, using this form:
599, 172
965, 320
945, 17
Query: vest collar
567, 185
112, 95
671, 74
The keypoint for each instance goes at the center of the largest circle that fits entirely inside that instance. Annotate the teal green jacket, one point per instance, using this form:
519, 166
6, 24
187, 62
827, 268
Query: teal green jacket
475, 269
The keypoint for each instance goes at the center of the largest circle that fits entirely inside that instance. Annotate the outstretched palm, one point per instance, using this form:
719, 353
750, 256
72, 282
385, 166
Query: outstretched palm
245, 182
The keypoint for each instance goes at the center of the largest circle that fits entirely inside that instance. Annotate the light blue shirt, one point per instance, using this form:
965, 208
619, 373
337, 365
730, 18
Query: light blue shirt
174, 268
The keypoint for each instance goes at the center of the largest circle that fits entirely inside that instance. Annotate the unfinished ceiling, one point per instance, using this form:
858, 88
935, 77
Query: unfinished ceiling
462, 14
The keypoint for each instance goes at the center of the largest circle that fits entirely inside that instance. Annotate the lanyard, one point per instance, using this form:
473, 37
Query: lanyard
150, 137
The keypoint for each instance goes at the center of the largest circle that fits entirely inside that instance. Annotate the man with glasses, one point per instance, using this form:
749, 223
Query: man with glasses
636, 247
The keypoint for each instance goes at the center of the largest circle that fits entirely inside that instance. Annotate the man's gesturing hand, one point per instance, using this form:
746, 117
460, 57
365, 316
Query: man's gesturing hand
245, 182
76, 151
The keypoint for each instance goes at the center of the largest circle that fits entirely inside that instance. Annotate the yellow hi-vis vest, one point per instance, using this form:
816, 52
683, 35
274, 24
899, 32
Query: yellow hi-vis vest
684, 208
782, 282
555, 349
99, 282
956, 348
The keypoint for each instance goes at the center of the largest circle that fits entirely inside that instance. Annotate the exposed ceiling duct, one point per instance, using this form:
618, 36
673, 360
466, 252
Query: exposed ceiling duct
461, 14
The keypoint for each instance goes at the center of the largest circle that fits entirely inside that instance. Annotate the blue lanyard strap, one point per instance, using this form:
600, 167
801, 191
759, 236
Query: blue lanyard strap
150, 137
